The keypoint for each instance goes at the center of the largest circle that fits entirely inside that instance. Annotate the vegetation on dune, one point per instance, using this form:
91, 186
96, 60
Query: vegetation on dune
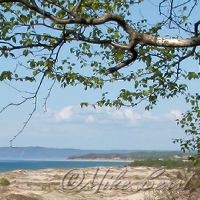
169, 164
4, 182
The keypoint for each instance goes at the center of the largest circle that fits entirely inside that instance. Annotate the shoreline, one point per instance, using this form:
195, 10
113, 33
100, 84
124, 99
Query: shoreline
10, 165
64, 160
99, 160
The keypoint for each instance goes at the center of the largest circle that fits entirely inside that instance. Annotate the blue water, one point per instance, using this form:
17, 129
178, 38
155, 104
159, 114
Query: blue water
9, 165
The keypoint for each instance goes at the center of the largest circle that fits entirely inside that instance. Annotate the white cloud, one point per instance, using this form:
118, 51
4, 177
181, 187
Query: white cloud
129, 115
90, 119
132, 116
174, 114
124, 115
65, 114
105, 115
106, 127
150, 116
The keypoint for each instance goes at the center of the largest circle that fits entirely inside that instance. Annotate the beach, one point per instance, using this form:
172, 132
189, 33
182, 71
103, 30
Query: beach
95, 183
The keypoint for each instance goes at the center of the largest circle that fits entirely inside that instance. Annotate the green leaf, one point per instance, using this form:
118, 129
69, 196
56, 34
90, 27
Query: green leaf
110, 30
84, 104
6, 75
25, 52
192, 75
185, 8
70, 6
35, 72
185, 18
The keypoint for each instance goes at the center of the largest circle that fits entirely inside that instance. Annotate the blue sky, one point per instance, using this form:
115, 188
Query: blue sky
67, 125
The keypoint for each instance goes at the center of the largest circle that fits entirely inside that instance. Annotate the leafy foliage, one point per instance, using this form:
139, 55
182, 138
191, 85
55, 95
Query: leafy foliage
75, 42
191, 123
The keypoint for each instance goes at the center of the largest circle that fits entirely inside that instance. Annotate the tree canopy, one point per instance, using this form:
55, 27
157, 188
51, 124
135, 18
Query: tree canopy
99, 39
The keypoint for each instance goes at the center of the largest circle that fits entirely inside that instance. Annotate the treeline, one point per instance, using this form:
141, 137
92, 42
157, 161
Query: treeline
135, 155
99, 156
161, 163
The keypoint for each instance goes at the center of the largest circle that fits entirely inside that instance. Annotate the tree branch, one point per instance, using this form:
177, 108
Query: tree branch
76, 8
81, 37
168, 42
125, 63
143, 39
106, 17
196, 28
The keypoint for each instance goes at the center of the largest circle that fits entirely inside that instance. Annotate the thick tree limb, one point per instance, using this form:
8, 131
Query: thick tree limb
138, 38
125, 63
168, 42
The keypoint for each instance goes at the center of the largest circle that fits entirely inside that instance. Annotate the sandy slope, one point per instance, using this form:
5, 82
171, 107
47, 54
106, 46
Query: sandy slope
122, 183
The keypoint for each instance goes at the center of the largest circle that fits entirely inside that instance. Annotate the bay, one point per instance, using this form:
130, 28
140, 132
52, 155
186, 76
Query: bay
9, 165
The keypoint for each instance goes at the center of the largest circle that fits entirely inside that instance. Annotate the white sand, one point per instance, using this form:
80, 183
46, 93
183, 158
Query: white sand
116, 183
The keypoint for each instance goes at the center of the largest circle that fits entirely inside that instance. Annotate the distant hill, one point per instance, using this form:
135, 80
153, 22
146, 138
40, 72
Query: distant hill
134, 155
21, 153
7, 153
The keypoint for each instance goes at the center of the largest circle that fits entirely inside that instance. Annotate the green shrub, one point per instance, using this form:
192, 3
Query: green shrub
137, 177
195, 182
56, 176
179, 175
4, 182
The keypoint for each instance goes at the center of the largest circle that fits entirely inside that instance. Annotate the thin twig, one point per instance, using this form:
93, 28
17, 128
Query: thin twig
32, 112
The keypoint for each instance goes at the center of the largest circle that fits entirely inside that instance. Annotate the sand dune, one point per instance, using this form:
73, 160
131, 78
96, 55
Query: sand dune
111, 183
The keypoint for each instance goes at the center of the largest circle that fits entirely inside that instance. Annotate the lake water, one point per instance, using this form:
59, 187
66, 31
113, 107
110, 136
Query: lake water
8, 165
